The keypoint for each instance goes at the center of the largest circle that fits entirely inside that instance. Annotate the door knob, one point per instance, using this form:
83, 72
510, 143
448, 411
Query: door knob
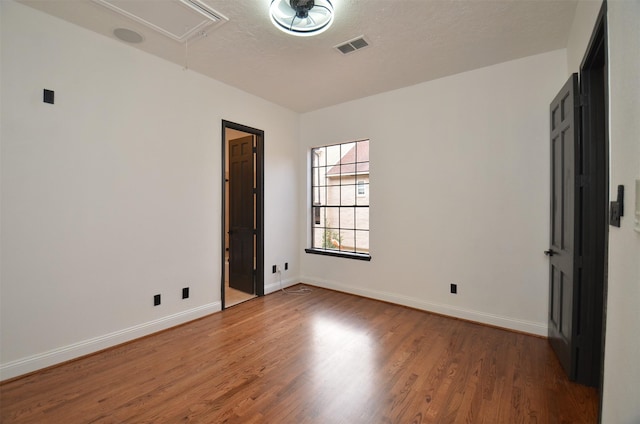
549, 252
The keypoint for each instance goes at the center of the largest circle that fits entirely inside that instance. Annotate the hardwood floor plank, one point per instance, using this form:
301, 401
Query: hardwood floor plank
322, 358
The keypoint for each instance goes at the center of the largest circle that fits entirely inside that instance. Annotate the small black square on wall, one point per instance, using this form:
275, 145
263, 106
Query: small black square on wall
48, 96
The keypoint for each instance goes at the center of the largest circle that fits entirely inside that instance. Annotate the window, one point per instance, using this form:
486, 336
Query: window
340, 200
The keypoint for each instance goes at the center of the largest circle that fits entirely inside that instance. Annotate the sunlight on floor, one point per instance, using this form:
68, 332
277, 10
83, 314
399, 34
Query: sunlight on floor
343, 361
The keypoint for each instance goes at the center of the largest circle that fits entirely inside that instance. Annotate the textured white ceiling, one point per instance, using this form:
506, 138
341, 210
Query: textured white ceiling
411, 41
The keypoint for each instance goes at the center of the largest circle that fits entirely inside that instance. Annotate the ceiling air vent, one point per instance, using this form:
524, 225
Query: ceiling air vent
177, 19
352, 45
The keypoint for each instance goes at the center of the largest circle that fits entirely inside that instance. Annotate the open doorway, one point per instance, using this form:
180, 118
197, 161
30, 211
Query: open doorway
242, 221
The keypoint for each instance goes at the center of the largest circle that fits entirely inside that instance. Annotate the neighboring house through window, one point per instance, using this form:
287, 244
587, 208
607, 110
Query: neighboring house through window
340, 200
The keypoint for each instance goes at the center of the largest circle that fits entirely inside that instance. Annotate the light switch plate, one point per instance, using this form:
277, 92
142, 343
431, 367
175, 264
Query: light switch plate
48, 96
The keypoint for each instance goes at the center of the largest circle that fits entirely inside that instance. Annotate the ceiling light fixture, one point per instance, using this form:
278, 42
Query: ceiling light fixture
301, 17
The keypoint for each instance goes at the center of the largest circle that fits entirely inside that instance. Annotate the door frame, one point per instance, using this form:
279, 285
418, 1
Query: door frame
594, 210
259, 205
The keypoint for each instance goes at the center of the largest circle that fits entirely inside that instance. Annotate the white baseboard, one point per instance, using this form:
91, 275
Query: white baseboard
76, 350
85, 347
273, 287
536, 328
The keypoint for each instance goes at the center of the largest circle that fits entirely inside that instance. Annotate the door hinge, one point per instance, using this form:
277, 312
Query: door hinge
255, 190
255, 231
582, 100
255, 149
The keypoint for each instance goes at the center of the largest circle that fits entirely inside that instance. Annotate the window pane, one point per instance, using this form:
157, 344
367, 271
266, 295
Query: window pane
317, 238
318, 174
333, 195
332, 217
348, 194
318, 216
362, 152
318, 157
347, 240
363, 200
362, 219
362, 241
332, 154
347, 218
331, 238
348, 153
318, 193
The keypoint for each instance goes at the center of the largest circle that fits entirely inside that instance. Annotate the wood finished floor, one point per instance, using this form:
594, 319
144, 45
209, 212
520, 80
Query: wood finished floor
324, 357
232, 296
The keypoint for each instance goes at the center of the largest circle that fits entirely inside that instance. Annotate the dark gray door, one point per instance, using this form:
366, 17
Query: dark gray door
241, 214
564, 197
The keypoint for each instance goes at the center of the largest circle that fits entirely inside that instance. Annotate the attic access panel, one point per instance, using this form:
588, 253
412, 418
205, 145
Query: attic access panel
177, 19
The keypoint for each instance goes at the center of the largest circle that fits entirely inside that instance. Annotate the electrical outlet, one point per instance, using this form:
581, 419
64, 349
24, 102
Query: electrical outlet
48, 96
274, 269
156, 300
454, 288
185, 293
286, 266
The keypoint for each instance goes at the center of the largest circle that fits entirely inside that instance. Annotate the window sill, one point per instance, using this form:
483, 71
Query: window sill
339, 254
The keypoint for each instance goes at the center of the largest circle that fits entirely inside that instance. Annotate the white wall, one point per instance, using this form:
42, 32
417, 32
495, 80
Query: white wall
459, 193
113, 194
622, 344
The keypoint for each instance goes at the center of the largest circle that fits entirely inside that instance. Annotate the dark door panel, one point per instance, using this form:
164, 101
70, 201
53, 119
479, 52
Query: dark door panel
564, 197
241, 214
